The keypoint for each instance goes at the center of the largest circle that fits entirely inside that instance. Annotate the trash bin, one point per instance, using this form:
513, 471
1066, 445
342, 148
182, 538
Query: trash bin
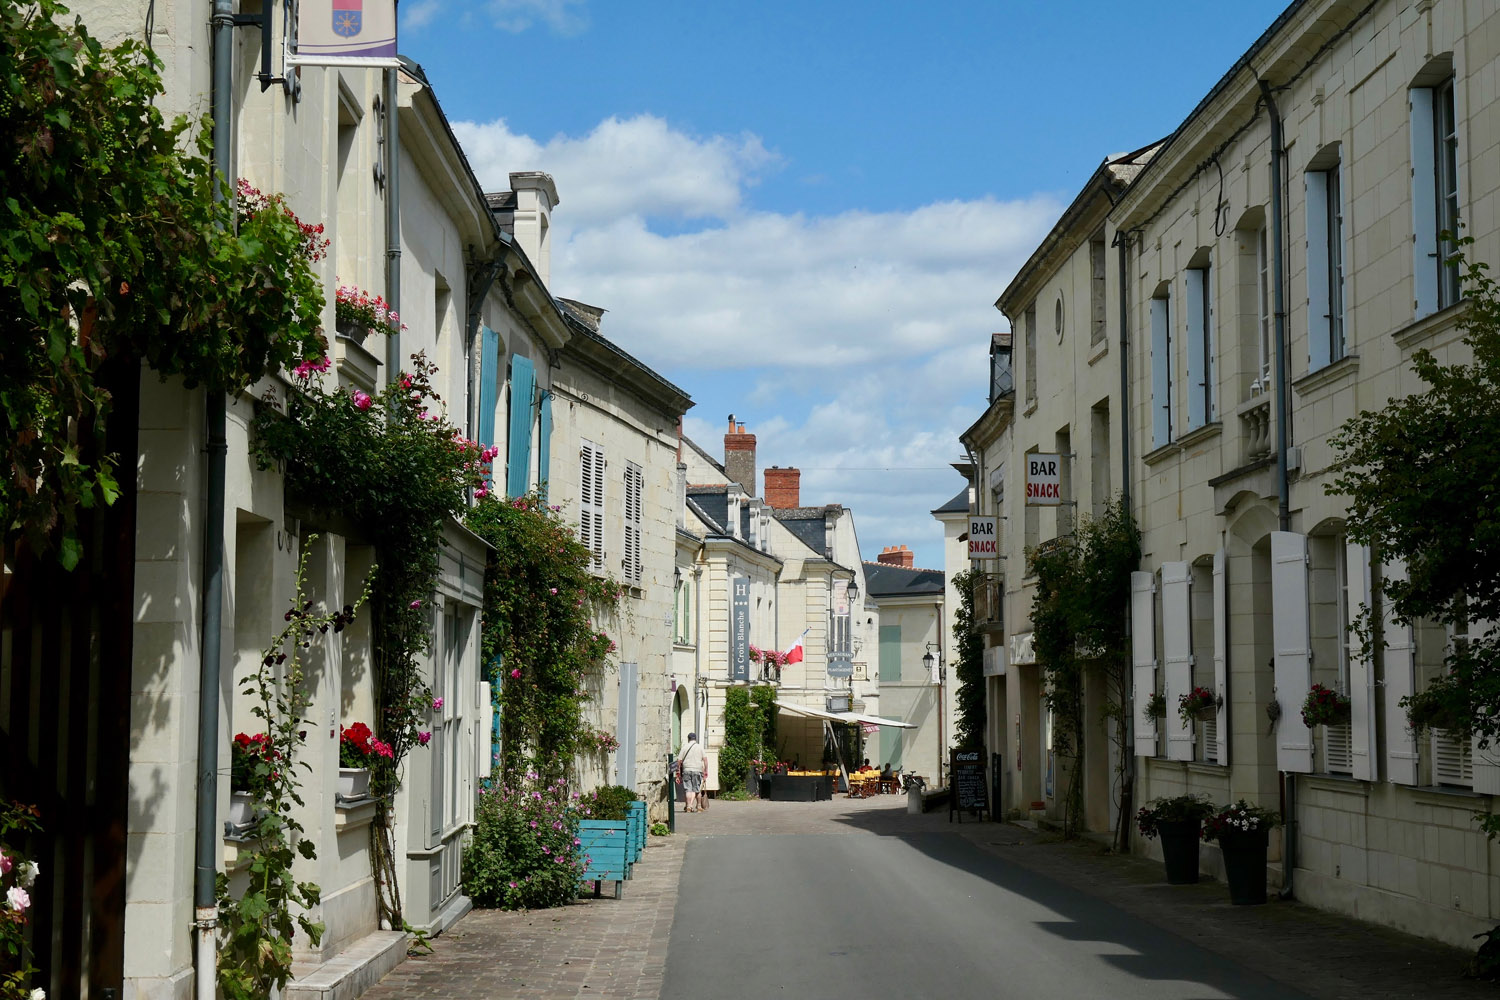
914, 796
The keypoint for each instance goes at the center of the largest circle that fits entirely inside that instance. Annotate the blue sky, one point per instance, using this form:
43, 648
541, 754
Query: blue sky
802, 212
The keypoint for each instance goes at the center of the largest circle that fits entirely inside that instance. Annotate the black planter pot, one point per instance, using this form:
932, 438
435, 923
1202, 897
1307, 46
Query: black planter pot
1179, 849
765, 786
1245, 866
752, 782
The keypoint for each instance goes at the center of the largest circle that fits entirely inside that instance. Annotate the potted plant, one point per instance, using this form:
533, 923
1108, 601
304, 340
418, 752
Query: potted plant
1177, 820
359, 749
1156, 707
1198, 704
1325, 707
1242, 832
250, 770
357, 313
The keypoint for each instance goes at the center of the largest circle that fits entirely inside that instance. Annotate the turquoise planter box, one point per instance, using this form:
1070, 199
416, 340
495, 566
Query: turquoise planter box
637, 821
607, 846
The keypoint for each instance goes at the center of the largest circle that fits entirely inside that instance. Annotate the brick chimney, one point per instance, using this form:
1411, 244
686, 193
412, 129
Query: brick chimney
783, 487
896, 555
739, 456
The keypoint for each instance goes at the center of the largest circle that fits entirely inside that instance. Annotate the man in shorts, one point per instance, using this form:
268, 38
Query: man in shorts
690, 773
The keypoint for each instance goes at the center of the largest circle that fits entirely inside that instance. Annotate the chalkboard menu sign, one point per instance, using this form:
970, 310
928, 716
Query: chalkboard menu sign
969, 793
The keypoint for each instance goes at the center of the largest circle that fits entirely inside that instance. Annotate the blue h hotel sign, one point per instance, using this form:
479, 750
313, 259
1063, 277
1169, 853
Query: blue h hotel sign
739, 628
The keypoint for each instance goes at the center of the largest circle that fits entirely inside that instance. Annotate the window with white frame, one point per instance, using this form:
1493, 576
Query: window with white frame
1161, 368
635, 488
1449, 759
682, 613
1327, 330
1434, 178
1200, 346
446, 745
591, 501
1265, 318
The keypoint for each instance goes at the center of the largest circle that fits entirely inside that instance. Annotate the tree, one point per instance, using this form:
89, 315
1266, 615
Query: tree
1422, 476
1078, 620
968, 668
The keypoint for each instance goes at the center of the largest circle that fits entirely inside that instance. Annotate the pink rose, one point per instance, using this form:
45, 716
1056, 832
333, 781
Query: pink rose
18, 899
414, 605
515, 674
437, 704
362, 400
424, 738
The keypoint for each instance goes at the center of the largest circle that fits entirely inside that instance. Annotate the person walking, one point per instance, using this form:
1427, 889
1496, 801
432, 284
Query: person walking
690, 773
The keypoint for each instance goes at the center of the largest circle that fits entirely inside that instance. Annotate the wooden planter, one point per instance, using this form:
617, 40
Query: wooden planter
637, 821
605, 843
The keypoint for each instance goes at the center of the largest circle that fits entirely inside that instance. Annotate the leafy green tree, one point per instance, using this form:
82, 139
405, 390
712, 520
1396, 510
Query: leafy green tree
1422, 478
968, 667
115, 251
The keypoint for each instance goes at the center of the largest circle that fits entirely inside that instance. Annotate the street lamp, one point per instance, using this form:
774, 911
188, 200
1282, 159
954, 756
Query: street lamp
853, 592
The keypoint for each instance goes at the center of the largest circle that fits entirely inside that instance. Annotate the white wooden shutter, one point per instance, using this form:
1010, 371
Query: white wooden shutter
1423, 204
1143, 658
1400, 682
591, 502
1361, 668
486, 735
1290, 635
1197, 356
1487, 758
1221, 659
1319, 333
635, 484
1177, 654
1161, 372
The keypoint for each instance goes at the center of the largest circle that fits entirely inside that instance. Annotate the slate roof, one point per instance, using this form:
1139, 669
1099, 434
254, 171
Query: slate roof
958, 505
882, 580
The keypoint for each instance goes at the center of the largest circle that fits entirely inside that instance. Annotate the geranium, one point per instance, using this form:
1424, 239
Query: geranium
360, 747
250, 762
1196, 704
1240, 818
1325, 707
250, 201
355, 307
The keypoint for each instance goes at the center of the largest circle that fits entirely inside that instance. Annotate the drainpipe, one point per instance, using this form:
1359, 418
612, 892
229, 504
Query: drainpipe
205, 865
1127, 778
1283, 503
392, 218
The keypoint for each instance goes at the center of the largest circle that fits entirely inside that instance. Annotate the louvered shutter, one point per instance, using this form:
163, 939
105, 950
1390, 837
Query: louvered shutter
1197, 355
489, 383
1221, 659
1161, 372
1143, 658
484, 731
522, 391
1423, 204
1290, 635
1319, 331
1177, 654
1400, 682
1361, 669
591, 502
544, 445
1486, 759
634, 488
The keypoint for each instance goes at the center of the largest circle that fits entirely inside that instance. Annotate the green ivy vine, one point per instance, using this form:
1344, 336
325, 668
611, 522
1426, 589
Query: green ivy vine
968, 667
115, 251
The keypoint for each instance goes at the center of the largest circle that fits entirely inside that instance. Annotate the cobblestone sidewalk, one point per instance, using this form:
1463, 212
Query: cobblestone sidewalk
609, 948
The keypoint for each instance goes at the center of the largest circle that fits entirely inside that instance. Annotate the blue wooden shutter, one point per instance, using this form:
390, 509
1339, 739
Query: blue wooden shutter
544, 445
522, 388
489, 383
890, 653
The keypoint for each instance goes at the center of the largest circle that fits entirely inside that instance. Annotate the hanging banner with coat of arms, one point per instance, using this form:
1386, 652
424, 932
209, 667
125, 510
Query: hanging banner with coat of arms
345, 33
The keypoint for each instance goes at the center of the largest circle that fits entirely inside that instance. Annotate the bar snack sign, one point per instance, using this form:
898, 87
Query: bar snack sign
1043, 480
984, 542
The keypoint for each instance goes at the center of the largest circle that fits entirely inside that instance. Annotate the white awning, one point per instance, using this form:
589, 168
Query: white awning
816, 713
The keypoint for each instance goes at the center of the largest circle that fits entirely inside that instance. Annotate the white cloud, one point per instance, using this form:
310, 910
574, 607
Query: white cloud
418, 14
847, 342
566, 17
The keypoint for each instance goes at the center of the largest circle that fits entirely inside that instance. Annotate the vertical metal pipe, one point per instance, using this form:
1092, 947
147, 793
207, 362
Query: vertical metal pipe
205, 868
392, 218
1127, 778
1283, 413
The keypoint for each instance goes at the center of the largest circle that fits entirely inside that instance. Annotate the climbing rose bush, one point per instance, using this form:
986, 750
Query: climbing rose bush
525, 852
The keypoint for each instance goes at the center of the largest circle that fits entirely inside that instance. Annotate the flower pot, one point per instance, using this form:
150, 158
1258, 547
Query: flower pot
1179, 850
354, 782
241, 808
351, 331
1207, 713
1245, 865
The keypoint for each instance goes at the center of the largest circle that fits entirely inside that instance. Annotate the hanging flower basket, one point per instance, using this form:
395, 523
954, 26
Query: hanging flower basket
1198, 705
1156, 706
1325, 707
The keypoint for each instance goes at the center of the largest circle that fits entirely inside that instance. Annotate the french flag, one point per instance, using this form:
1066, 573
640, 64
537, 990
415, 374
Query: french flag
794, 652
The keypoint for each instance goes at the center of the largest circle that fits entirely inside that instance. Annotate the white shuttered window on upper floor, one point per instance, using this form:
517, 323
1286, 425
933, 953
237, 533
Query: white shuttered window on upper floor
635, 489
591, 501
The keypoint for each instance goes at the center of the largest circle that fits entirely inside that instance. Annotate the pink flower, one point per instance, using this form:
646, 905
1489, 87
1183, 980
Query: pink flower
362, 400
437, 704
481, 493
5, 863
515, 674
18, 899
414, 605
553, 590
424, 738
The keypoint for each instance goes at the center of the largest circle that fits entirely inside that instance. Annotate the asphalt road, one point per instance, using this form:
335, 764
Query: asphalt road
915, 915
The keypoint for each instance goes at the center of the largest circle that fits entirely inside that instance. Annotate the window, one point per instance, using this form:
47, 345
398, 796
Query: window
1096, 290
1057, 319
1030, 332
1264, 305
591, 501
1434, 174
1161, 369
1200, 346
446, 742
890, 653
1326, 331
682, 613
635, 487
